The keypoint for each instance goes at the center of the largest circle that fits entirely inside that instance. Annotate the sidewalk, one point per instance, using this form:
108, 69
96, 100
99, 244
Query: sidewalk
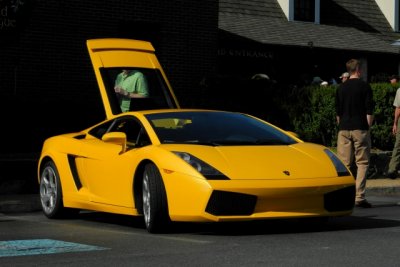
383, 187
19, 203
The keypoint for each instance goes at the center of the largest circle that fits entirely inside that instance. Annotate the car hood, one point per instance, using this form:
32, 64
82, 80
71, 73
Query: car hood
299, 161
123, 53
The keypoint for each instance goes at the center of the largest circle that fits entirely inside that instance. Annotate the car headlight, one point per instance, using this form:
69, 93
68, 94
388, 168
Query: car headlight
209, 172
339, 166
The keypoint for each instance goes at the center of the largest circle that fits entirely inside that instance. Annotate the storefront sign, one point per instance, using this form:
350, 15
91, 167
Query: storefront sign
230, 52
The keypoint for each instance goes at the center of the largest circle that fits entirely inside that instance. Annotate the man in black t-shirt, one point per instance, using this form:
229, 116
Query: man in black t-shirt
354, 113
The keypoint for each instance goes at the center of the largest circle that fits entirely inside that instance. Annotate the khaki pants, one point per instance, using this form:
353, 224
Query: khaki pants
356, 144
395, 159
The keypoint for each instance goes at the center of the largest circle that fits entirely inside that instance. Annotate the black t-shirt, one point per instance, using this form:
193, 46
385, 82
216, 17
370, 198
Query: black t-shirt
353, 102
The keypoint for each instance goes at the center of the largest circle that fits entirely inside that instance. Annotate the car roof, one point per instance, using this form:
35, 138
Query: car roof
123, 53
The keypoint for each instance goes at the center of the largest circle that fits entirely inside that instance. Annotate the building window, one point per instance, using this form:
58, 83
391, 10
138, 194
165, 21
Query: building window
304, 10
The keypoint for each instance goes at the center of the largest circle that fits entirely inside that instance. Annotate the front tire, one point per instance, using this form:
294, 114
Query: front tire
155, 206
51, 193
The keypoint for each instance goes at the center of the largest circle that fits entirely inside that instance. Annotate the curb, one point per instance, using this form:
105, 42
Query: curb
393, 191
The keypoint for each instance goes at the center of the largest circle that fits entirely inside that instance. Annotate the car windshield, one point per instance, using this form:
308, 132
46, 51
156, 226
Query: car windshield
215, 128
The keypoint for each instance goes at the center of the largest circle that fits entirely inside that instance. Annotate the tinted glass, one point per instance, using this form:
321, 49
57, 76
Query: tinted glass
136, 136
215, 128
146, 88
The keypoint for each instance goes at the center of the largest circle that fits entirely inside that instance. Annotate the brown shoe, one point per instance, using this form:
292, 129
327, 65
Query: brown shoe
363, 204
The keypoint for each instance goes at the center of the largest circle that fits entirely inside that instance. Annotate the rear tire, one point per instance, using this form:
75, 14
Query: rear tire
155, 206
51, 193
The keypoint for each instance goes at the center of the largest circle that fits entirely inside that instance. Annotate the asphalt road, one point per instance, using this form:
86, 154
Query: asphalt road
370, 237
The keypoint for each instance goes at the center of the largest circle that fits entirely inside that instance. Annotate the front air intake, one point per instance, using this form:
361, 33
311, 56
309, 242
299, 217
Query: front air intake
223, 203
340, 200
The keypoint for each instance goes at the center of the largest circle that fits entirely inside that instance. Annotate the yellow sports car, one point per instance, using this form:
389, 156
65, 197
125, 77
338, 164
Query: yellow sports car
175, 164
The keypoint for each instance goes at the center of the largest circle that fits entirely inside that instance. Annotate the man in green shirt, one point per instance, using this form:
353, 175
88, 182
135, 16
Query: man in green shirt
130, 84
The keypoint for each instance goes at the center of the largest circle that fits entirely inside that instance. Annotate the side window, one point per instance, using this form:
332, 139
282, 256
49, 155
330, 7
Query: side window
133, 130
100, 130
131, 89
143, 139
128, 126
136, 135
130, 84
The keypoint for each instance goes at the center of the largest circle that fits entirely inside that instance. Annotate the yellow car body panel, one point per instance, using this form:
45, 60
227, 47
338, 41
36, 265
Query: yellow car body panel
122, 53
288, 181
293, 193
267, 163
275, 199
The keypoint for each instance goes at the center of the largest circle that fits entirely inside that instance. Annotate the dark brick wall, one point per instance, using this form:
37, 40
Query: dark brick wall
45, 69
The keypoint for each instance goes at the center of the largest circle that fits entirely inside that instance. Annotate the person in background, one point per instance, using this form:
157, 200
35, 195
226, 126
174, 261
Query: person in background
344, 77
394, 162
324, 83
354, 113
316, 81
394, 79
130, 84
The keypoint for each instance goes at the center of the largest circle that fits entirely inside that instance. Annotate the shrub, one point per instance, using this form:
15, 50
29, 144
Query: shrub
312, 114
384, 112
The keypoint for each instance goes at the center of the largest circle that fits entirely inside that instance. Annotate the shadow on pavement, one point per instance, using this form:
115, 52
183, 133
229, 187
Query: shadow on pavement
262, 227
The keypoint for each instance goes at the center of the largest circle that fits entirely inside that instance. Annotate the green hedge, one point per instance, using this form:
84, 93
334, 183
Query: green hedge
312, 114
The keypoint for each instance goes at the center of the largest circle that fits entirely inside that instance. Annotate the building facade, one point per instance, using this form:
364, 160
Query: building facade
291, 43
45, 70
301, 39
225, 54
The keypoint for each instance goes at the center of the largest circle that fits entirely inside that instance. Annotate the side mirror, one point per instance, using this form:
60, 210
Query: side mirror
117, 138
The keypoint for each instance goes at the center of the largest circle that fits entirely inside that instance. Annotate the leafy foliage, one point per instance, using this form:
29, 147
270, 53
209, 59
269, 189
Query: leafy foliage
384, 113
312, 114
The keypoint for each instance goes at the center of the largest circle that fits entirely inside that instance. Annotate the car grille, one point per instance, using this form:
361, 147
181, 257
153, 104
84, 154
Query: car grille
230, 203
340, 200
